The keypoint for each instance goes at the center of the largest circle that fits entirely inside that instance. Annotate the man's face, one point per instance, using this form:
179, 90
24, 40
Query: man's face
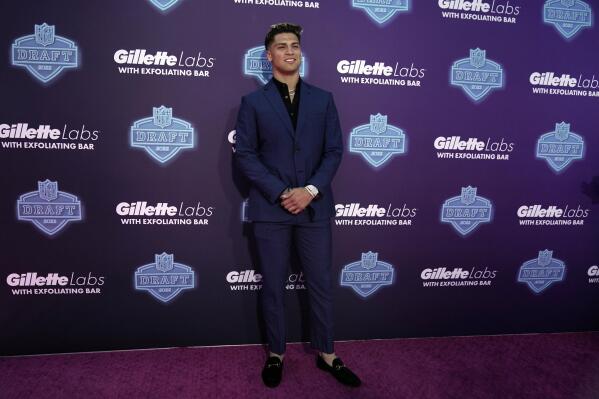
285, 54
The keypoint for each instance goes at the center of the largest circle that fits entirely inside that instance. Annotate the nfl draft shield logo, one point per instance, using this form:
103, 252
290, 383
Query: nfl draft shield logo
368, 275
560, 147
44, 54
377, 141
541, 272
257, 65
568, 16
467, 211
164, 5
477, 75
162, 135
47, 208
382, 11
164, 279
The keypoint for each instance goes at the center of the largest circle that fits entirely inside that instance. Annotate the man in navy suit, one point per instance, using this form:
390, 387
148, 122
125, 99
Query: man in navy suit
289, 146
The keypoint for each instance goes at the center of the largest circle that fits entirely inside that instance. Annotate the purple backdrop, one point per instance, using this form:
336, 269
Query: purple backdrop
91, 292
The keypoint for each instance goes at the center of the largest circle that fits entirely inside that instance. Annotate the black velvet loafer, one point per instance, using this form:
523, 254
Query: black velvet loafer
272, 372
339, 371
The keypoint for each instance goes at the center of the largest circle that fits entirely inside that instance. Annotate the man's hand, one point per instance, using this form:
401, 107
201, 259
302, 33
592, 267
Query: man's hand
296, 200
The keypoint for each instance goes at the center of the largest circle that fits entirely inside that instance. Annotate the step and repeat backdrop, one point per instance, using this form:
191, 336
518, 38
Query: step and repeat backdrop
465, 202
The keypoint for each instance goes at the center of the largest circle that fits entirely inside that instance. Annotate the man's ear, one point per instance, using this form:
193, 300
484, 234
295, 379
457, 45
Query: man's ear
268, 55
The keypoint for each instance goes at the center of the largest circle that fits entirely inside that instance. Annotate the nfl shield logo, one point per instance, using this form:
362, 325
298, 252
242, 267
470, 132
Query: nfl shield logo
162, 116
478, 57
569, 17
378, 123
467, 211
48, 190
164, 279
382, 11
164, 262
562, 130
477, 75
367, 275
162, 135
560, 147
59, 208
542, 272
44, 34
44, 54
369, 259
468, 195
545, 257
377, 141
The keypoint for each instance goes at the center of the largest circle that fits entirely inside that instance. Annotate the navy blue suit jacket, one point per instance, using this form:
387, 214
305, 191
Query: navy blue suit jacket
273, 156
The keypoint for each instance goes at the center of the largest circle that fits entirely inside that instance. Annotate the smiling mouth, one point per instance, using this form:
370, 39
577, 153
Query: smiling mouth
290, 60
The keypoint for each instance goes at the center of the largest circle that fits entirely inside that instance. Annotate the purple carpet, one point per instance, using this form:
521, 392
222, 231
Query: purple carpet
546, 366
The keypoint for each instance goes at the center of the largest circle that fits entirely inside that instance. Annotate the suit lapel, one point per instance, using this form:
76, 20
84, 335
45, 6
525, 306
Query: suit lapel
303, 107
275, 100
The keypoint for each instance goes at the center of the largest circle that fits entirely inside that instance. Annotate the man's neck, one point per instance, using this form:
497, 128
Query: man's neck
289, 80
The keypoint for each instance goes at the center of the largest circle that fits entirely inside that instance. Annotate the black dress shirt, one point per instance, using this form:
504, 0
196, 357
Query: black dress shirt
292, 106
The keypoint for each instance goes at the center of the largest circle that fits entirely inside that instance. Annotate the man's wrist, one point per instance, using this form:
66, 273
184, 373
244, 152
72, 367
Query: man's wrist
312, 190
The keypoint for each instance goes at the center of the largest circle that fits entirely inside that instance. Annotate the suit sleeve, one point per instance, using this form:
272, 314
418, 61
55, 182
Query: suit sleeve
333, 149
246, 155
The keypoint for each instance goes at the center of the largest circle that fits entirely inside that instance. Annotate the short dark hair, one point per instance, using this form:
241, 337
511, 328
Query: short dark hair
282, 28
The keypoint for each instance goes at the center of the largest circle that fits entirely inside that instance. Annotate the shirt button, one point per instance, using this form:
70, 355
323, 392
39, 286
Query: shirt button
292, 114
286, 96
